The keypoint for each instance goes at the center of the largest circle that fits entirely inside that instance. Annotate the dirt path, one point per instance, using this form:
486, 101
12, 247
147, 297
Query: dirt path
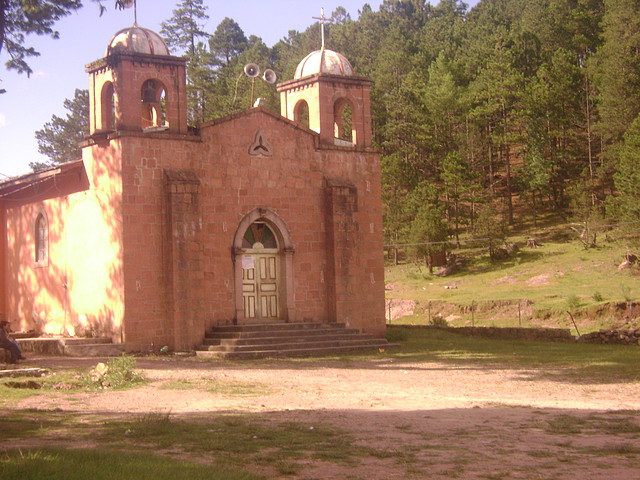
469, 423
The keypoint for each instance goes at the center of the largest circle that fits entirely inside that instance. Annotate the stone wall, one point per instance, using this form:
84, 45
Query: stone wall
532, 334
613, 337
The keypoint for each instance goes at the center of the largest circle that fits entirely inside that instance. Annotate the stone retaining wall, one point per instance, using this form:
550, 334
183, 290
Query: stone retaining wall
613, 337
535, 334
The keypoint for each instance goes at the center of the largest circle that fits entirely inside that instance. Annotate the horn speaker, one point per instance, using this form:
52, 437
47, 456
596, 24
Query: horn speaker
269, 76
251, 70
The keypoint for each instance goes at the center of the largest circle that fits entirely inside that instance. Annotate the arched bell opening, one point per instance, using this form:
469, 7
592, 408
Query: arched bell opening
343, 121
108, 107
263, 268
301, 114
154, 102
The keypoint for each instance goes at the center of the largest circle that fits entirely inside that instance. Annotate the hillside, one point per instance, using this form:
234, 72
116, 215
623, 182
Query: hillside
534, 288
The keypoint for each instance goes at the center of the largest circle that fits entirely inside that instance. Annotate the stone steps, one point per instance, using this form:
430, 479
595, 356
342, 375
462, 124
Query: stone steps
279, 337
72, 347
287, 339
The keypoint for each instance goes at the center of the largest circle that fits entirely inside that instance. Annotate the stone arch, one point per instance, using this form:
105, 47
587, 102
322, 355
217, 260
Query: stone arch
107, 107
153, 96
343, 124
283, 254
301, 113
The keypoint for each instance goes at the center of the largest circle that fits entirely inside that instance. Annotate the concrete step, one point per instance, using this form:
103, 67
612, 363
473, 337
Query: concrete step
356, 342
297, 353
281, 333
94, 350
280, 337
75, 347
273, 327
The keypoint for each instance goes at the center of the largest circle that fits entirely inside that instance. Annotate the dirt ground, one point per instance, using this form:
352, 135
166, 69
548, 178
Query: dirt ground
467, 423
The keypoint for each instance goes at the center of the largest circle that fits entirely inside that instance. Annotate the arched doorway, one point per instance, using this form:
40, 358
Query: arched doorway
263, 267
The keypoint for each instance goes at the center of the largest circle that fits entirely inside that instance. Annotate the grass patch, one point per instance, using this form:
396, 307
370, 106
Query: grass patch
550, 279
234, 437
231, 440
14, 389
586, 363
101, 464
565, 425
219, 387
29, 423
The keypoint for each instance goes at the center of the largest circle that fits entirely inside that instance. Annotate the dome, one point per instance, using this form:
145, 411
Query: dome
137, 40
323, 61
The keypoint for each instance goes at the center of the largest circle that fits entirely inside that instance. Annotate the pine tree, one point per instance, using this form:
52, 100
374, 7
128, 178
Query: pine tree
59, 139
185, 29
227, 42
618, 68
625, 206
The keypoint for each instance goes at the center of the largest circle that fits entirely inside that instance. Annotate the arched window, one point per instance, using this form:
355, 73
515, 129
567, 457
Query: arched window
108, 112
343, 116
259, 235
153, 98
41, 239
301, 114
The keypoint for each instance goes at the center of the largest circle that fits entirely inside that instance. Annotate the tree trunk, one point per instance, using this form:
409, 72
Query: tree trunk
508, 165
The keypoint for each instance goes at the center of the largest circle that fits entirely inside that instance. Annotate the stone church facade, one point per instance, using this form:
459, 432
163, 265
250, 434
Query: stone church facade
161, 231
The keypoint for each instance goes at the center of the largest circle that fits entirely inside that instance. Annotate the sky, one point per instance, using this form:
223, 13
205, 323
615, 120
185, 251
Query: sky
30, 102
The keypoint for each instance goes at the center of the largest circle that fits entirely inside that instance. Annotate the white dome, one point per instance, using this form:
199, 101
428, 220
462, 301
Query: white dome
323, 61
137, 40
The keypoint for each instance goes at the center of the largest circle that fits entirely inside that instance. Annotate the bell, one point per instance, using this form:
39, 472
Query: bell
149, 93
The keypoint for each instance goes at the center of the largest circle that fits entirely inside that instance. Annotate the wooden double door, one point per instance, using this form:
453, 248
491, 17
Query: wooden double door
260, 286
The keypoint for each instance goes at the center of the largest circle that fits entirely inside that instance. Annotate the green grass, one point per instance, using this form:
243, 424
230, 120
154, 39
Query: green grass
118, 373
586, 363
552, 279
231, 440
13, 390
107, 464
232, 436
219, 387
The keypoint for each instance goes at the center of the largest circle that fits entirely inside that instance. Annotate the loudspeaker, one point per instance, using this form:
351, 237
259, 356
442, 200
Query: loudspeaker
251, 70
269, 76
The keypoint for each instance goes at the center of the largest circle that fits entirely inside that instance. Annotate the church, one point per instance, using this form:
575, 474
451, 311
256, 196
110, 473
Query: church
162, 231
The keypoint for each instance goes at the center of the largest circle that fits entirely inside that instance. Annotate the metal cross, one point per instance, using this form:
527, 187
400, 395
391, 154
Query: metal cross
129, 4
323, 20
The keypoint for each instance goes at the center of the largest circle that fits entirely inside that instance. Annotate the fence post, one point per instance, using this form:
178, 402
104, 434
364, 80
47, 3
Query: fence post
473, 313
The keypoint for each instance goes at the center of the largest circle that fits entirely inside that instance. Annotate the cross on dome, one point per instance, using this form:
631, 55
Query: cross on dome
323, 20
129, 4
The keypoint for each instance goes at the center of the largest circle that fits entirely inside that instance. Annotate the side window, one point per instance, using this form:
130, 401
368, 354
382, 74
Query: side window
41, 240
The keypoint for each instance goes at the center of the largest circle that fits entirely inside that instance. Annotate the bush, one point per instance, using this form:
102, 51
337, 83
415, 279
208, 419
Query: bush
439, 321
117, 373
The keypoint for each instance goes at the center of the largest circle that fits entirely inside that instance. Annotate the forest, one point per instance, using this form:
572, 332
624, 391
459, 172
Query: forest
486, 118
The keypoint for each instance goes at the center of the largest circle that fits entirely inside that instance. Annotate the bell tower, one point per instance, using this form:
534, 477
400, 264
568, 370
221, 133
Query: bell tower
326, 96
137, 86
